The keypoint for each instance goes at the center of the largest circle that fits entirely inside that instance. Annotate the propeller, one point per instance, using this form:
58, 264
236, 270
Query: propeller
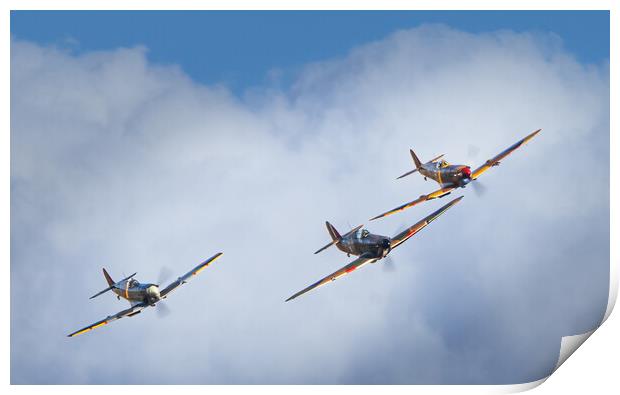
472, 151
164, 275
479, 188
162, 309
387, 247
388, 264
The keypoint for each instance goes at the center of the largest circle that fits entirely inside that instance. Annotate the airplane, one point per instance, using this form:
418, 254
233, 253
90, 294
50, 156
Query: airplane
368, 247
450, 177
140, 296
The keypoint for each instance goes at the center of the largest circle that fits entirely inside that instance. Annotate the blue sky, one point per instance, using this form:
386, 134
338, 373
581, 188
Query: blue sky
135, 159
240, 48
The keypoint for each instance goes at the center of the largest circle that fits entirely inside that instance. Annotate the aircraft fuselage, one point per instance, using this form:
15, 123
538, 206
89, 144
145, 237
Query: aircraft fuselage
135, 292
447, 176
364, 243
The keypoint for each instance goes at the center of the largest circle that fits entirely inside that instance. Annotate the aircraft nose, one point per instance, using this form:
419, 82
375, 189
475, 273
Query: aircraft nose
386, 246
153, 292
466, 171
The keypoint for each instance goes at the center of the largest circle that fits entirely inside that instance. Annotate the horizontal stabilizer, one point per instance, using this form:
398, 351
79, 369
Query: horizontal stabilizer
436, 158
406, 174
111, 287
101, 292
416, 160
418, 163
337, 240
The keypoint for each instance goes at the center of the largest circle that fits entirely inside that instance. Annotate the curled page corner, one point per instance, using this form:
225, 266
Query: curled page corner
570, 344
515, 388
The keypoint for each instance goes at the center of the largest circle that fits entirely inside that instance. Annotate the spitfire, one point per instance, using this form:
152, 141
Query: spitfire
450, 177
140, 296
367, 246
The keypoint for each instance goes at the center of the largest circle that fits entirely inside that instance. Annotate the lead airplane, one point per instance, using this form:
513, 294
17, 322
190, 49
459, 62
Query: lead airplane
450, 177
140, 296
369, 247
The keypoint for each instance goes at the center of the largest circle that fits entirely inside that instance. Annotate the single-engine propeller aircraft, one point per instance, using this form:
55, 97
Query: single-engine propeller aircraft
450, 177
369, 247
140, 295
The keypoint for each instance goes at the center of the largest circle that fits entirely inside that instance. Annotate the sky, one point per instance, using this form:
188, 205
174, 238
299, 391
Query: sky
260, 47
129, 154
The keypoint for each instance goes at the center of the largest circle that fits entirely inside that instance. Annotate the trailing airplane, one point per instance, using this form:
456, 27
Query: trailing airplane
140, 296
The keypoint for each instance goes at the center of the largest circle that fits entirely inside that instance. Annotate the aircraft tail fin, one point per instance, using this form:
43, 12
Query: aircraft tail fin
417, 163
108, 278
416, 160
336, 237
332, 231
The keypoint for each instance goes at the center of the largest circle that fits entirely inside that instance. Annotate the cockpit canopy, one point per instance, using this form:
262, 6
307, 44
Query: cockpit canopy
443, 163
362, 233
133, 283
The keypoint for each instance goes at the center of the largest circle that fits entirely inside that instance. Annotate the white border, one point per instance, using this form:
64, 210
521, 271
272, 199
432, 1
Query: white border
594, 365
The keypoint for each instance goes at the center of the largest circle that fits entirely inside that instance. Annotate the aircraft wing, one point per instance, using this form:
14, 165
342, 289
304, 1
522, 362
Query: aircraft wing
433, 195
135, 309
356, 264
412, 230
495, 160
187, 276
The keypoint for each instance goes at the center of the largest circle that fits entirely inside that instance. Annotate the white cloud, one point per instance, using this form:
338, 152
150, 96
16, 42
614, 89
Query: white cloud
122, 163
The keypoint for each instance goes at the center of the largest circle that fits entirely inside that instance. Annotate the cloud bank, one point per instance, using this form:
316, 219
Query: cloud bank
120, 163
